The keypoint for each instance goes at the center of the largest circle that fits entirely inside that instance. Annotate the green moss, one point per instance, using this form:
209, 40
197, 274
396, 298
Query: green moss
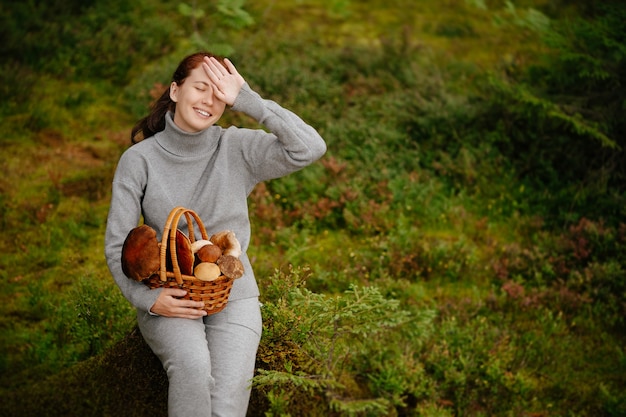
127, 380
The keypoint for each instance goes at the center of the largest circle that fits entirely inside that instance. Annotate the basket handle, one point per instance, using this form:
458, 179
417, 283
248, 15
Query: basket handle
169, 235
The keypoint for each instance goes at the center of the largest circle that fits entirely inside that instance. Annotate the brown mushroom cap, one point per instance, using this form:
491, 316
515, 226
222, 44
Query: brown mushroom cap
195, 246
231, 266
140, 253
209, 253
184, 254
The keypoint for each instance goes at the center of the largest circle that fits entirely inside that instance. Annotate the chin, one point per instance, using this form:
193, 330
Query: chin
203, 126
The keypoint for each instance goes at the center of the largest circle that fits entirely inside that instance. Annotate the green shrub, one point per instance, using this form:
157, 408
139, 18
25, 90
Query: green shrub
579, 270
343, 339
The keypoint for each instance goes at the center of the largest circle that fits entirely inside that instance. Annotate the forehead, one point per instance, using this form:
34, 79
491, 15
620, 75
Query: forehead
198, 75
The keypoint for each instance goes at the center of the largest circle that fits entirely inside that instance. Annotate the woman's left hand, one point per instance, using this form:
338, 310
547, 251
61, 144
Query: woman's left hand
227, 81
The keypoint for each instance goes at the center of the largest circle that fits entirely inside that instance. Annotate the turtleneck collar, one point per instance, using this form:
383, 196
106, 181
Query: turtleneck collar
181, 143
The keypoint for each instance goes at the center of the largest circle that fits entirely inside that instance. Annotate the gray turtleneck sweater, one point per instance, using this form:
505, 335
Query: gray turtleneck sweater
211, 172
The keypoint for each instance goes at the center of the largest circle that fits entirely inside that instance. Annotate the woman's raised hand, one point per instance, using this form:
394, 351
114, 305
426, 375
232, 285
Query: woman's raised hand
226, 79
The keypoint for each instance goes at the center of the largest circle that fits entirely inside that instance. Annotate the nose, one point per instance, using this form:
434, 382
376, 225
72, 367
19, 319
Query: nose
208, 95
208, 98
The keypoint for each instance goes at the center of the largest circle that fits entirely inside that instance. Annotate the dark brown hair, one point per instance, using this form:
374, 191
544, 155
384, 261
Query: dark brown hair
154, 122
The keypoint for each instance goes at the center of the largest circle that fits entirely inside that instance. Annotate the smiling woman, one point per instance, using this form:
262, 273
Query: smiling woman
197, 108
192, 86
201, 101
184, 159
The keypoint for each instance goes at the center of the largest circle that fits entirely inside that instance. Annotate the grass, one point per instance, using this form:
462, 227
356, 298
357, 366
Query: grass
451, 295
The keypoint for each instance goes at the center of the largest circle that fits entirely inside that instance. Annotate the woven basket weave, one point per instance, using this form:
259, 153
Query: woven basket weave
214, 293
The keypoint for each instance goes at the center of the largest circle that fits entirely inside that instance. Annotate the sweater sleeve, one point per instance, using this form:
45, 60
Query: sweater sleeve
291, 144
124, 214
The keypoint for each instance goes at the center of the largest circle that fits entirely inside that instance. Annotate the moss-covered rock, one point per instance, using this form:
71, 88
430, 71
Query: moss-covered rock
128, 380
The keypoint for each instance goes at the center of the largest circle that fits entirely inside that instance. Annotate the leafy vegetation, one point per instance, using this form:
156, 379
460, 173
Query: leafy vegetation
460, 250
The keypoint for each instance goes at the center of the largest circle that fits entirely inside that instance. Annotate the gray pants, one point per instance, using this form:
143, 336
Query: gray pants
209, 361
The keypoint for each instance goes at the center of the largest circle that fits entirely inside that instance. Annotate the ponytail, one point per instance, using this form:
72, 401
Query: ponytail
154, 122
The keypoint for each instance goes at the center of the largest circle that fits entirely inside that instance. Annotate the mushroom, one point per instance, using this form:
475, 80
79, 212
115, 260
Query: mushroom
205, 251
141, 253
184, 254
195, 246
230, 266
228, 242
207, 271
209, 253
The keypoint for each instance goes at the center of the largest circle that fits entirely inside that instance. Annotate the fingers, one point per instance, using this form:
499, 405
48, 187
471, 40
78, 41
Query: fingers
218, 71
217, 74
209, 71
176, 302
169, 304
174, 292
214, 68
230, 66
227, 82
218, 68
188, 313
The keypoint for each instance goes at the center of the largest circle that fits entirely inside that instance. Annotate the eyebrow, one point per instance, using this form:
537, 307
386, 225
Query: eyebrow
202, 82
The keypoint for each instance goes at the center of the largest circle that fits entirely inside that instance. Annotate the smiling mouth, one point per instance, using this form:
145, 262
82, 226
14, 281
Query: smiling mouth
203, 113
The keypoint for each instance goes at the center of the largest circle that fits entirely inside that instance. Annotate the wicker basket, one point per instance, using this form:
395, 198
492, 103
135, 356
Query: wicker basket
214, 293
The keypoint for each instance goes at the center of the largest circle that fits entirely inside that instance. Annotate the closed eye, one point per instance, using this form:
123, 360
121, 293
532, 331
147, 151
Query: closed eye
201, 86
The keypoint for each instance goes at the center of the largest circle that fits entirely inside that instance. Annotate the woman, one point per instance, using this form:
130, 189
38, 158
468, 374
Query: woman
184, 159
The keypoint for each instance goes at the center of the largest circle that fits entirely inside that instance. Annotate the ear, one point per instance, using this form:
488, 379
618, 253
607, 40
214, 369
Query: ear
174, 92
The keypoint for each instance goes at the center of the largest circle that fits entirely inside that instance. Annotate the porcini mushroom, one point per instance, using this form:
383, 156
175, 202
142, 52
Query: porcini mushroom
209, 253
207, 271
184, 254
140, 253
195, 246
230, 266
228, 242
